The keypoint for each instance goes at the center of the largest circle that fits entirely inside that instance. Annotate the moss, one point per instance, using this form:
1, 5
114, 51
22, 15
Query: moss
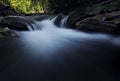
26, 6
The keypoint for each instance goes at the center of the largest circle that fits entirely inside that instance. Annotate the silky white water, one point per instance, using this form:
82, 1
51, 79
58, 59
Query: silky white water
47, 37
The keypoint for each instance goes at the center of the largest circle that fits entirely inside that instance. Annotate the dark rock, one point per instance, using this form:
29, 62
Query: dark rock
1, 36
94, 25
14, 23
78, 15
21, 23
41, 17
75, 16
111, 17
5, 32
6, 10
118, 24
102, 11
117, 9
59, 19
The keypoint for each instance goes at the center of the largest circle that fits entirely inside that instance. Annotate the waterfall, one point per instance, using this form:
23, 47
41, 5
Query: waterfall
37, 25
53, 19
64, 21
48, 37
47, 25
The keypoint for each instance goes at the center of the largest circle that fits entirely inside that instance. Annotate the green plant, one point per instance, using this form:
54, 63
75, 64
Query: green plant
26, 6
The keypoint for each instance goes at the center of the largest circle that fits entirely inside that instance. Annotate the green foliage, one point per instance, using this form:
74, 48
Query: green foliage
26, 6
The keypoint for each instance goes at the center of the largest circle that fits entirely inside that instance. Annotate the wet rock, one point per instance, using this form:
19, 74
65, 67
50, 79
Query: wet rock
5, 32
118, 24
94, 25
14, 23
58, 20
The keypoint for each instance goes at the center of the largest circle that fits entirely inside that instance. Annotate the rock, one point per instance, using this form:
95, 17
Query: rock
118, 24
75, 16
6, 10
1, 35
41, 17
14, 23
1, 18
102, 11
78, 15
58, 20
94, 25
106, 7
112, 17
109, 18
5, 32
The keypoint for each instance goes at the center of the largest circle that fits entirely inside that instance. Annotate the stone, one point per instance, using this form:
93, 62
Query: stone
94, 25
59, 19
78, 15
6, 10
14, 23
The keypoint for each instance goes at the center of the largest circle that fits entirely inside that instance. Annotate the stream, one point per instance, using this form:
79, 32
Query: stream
56, 53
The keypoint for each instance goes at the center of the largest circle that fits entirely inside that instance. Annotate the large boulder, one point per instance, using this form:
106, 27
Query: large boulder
15, 23
94, 25
78, 15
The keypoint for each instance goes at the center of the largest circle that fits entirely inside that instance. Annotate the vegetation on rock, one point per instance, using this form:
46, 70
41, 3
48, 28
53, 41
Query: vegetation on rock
26, 6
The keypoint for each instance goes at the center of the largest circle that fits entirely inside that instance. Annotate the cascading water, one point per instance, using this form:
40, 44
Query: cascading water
46, 37
64, 21
56, 53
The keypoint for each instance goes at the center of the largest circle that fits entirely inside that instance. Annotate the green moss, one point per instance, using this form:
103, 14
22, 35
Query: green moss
26, 6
